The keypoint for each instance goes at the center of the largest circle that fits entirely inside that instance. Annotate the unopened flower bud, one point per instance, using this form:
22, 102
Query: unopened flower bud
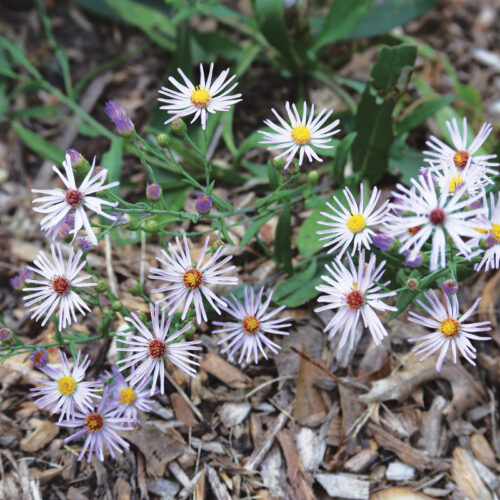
449, 287
6, 336
203, 203
313, 178
216, 245
412, 284
153, 191
279, 163
39, 358
383, 242
133, 286
294, 168
179, 127
80, 165
116, 305
163, 140
82, 244
101, 286
120, 118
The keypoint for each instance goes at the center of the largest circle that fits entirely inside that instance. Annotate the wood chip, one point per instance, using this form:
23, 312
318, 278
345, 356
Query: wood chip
40, 437
182, 410
466, 477
343, 485
361, 461
218, 487
397, 471
482, 450
233, 414
397, 493
225, 372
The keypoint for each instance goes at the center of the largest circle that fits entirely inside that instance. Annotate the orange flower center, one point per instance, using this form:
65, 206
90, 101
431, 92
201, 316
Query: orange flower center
355, 299
60, 285
157, 349
250, 325
192, 279
460, 159
450, 328
94, 422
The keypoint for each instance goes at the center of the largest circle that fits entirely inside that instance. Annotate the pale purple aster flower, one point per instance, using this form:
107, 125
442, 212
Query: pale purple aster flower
203, 203
354, 224
433, 215
301, 135
66, 390
354, 293
383, 242
449, 329
26, 273
150, 348
39, 358
189, 280
153, 191
129, 283
249, 331
120, 118
128, 398
83, 244
17, 282
75, 157
54, 287
57, 203
100, 425
5, 334
449, 287
413, 261
200, 99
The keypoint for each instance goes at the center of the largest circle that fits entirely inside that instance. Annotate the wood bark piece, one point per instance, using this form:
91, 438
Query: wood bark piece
182, 410
40, 437
225, 372
345, 486
300, 482
417, 458
218, 487
482, 450
361, 461
399, 493
431, 425
466, 477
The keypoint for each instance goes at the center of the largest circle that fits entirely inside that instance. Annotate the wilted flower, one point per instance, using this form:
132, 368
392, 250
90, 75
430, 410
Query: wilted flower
120, 118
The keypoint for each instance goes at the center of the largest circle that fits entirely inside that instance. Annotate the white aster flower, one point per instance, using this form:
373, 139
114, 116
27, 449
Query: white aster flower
460, 156
354, 293
252, 324
150, 348
354, 224
67, 390
300, 134
474, 177
207, 97
189, 280
58, 203
100, 426
449, 329
53, 288
432, 215
488, 227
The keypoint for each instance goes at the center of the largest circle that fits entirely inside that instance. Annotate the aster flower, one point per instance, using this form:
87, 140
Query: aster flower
354, 293
73, 199
203, 203
6, 336
473, 176
449, 329
129, 399
120, 118
487, 235
354, 225
433, 215
150, 348
66, 390
83, 244
253, 324
100, 426
62, 229
54, 287
443, 156
449, 287
207, 97
189, 280
39, 358
301, 134
153, 191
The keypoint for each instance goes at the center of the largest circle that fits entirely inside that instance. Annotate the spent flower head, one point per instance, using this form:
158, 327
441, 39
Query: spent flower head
120, 118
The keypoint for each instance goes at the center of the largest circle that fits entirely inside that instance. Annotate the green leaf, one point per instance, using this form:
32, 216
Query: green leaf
341, 157
405, 298
254, 228
387, 14
112, 161
282, 240
404, 160
274, 176
213, 43
343, 16
38, 144
375, 134
428, 109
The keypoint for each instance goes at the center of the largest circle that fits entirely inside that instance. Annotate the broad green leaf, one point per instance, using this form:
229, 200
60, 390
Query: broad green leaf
342, 18
404, 160
273, 176
38, 144
387, 14
209, 44
282, 240
405, 298
426, 110
254, 228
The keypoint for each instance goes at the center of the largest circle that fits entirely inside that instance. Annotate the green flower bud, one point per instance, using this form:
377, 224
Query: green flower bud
279, 164
101, 287
216, 245
163, 140
179, 127
116, 306
6, 337
411, 284
313, 178
152, 225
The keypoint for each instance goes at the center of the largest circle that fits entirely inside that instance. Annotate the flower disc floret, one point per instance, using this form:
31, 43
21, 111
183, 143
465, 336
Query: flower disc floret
60, 285
67, 385
437, 217
127, 396
94, 422
200, 97
450, 328
460, 159
301, 135
356, 223
495, 230
355, 300
192, 279
250, 325
74, 197
157, 349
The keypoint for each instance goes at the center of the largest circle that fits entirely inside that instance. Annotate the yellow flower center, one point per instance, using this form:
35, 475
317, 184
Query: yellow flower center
127, 396
66, 385
456, 183
449, 328
301, 135
356, 223
250, 325
496, 231
200, 97
192, 279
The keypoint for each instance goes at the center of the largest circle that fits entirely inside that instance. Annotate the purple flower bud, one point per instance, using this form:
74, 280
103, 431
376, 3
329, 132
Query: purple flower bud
75, 157
98, 169
129, 283
383, 242
119, 116
203, 203
83, 244
122, 218
26, 273
153, 191
39, 358
5, 335
397, 201
17, 282
449, 287
412, 263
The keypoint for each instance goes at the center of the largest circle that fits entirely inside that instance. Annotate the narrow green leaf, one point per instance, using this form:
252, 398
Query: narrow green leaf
38, 144
341, 157
112, 161
254, 228
428, 109
282, 240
